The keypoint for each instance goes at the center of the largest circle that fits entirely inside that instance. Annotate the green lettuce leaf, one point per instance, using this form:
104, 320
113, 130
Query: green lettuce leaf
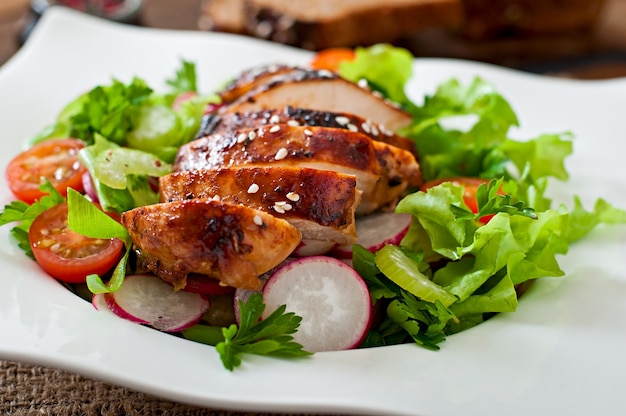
386, 68
86, 219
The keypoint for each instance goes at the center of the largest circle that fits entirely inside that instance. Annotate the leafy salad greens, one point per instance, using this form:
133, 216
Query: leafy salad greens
451, 271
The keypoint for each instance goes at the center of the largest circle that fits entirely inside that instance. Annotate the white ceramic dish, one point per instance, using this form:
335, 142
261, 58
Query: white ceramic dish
562, 352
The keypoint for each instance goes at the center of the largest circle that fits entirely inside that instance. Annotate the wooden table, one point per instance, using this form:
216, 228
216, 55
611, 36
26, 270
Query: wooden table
599, 53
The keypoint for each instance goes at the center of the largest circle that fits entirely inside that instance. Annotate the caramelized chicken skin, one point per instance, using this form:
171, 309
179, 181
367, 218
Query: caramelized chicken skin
383, 172
232, 243
321, 204
319, 90
222, 122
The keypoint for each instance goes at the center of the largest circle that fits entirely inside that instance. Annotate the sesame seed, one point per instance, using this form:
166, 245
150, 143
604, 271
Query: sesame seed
280, 203
216, 198
274, 119
324, 73
352, 127
374, 130
252, 135
287, 207
242, 137
342, 120
257, 220
308, 132
292, 196
363, 83
281, 154
366, 127
253, 189
384, 130
392, 103
279, 209
274, 129
293, 123
377, 94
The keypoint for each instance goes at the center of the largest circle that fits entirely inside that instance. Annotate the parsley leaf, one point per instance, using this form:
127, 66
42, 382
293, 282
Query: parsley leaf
18, 211
270, 336
110, 111
185, 79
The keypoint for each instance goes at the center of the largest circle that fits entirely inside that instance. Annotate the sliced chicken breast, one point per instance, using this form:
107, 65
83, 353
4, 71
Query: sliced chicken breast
252, 78
383, 172
217, 123
321, 204
229, 242
323, 91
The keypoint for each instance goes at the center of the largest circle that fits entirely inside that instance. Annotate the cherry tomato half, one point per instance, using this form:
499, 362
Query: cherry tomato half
330, 59
55, 160
66, 255
470, 186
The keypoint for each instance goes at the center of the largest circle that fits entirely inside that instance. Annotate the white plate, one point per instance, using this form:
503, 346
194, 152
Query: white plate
562, 352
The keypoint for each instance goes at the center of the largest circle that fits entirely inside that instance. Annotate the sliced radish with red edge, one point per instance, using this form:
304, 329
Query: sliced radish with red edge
329, 295
375, 231
146, 299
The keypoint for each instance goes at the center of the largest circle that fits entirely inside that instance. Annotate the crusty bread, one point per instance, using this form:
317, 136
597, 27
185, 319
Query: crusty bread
319, 24
222, 16
489, 18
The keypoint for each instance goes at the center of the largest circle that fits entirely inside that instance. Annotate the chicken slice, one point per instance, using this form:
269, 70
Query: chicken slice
383, 172
252, 78
324, 91
321, 204
232, 243
213, 123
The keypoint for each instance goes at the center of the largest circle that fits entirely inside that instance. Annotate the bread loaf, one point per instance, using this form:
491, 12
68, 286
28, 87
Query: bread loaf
319, 24
495, 18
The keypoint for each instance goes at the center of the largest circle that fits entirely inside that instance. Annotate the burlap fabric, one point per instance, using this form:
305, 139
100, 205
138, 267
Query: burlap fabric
35, 390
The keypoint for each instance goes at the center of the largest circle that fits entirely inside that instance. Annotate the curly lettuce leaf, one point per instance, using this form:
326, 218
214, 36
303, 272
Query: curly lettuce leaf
386, 68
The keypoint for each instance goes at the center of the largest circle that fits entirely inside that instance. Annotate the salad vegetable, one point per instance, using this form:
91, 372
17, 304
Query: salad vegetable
482, 226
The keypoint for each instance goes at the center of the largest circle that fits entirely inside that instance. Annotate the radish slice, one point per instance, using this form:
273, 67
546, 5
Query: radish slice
98, 302
88, 186
313, 248
329, 295
146, 299
375, 231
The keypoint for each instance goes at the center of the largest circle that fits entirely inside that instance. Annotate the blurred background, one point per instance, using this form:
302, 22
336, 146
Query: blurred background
577, 38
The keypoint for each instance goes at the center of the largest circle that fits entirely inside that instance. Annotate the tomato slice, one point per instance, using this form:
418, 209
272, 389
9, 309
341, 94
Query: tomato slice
66, 255
470, 186
55, 160
331, 58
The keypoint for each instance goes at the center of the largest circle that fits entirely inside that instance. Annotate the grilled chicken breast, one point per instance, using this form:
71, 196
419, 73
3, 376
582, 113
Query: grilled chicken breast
321, 204
383, 172
229, 242
218, 123
252, 78
323, 91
